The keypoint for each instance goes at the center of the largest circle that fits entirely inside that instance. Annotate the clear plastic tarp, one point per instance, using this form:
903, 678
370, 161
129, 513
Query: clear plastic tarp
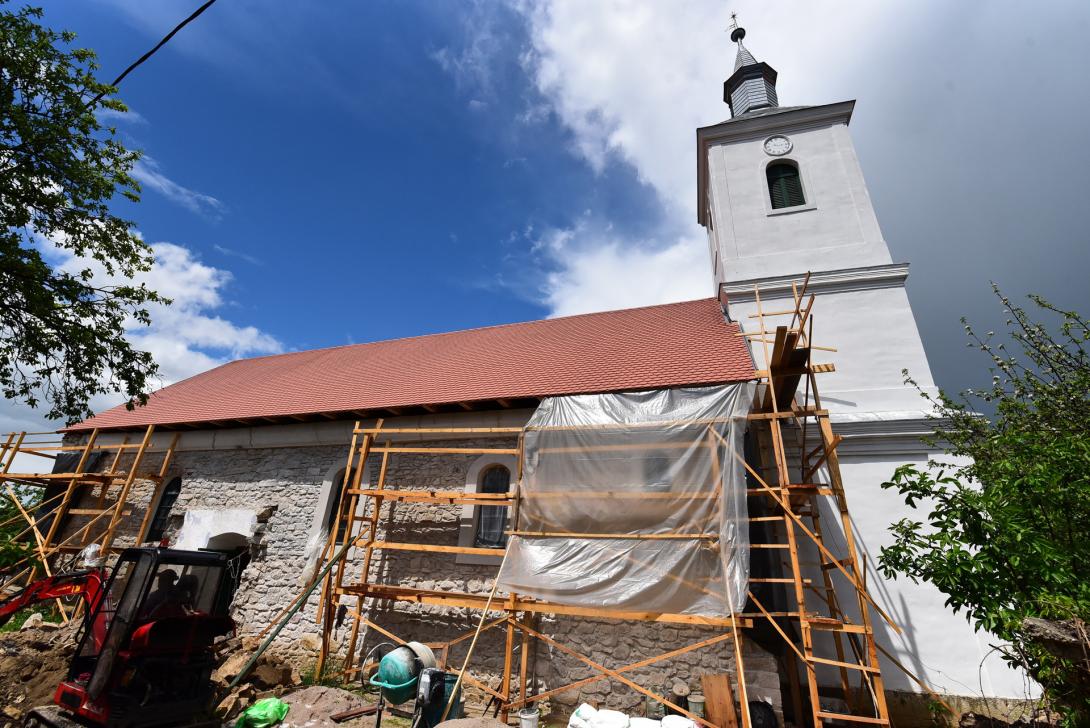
635, 501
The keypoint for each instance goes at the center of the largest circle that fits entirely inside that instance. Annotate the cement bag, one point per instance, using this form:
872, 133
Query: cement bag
263, 714
582, 716
643, 723
609, 719
677, 721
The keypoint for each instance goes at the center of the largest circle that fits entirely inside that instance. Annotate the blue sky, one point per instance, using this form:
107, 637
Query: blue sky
327, 173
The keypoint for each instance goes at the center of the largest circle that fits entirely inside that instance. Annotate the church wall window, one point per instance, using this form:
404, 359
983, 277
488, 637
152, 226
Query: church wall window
483, 526
161, 518
784, 185
492, 520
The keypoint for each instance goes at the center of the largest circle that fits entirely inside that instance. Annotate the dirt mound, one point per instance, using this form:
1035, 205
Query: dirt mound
312, 707
33, 661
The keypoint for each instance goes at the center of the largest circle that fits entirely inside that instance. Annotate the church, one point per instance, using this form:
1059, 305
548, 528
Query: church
257, 447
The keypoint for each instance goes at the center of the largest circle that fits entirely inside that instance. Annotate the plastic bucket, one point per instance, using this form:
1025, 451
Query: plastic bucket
528, 717
433, 714
696, 704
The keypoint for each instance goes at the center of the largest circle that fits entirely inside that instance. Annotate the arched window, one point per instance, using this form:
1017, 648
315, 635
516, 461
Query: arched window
492, 520
784, 185
162, 511
335, 505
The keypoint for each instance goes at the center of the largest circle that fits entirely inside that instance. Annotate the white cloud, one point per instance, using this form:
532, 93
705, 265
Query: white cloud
185, 338
149, 175
472, 64
129, 117
231, 252
594, 269
632, 80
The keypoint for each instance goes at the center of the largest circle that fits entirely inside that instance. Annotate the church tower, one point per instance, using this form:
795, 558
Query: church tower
781, 194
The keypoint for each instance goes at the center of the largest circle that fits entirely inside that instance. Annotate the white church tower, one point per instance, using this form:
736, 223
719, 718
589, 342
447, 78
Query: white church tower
781, 193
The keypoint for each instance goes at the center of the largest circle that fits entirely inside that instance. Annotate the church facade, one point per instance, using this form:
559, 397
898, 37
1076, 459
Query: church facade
261, 443
782, 196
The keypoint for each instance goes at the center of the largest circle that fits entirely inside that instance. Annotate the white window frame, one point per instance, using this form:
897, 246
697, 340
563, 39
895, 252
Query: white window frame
467, 523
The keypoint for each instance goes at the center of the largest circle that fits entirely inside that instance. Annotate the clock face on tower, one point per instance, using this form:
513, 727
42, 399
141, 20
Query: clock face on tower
777, 145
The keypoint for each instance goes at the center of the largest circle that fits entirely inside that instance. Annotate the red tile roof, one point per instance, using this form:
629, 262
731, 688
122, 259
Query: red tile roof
639, 348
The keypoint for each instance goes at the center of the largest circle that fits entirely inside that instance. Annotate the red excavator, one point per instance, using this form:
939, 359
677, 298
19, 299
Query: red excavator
144, 652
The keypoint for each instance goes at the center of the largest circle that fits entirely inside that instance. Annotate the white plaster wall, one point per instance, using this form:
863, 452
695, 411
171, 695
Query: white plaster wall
836, 228
875, 337
939, 646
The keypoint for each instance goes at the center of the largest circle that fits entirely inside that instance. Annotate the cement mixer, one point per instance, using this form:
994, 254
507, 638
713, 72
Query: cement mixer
410, 670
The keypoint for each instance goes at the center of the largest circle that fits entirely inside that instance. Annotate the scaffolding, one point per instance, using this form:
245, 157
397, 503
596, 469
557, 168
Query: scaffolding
77, 471
793, 473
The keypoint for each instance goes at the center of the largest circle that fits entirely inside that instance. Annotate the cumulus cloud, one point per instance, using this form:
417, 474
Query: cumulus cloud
185, 338
594, 269
129, 117
148, 173
632, 81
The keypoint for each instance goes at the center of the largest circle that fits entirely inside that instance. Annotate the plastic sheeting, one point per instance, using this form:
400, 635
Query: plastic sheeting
640, 500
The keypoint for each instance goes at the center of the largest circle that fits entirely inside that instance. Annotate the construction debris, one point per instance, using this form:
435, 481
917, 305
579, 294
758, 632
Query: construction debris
270, 677
315, 707
33, 661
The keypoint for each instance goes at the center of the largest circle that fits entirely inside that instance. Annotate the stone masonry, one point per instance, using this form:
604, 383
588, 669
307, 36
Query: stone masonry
287, 485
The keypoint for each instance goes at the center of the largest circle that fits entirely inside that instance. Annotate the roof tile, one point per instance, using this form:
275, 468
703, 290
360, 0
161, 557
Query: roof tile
639, 348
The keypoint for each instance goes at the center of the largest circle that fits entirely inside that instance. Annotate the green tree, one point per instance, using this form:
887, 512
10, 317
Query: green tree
1006, 535
62, 321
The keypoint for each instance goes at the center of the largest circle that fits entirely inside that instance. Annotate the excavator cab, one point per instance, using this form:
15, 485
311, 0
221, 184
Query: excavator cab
144, 655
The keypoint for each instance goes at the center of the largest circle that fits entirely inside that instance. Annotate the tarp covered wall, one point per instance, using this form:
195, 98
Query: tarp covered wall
650, 487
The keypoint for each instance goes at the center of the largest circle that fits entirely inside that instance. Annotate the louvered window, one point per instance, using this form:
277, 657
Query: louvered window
784, 185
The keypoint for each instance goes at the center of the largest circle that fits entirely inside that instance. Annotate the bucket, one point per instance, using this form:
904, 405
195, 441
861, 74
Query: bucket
696, 705
528, 717
433, 714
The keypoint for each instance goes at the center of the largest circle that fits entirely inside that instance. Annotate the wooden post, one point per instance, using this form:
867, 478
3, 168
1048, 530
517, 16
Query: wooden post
157, 494
123, 496
508, 654
60, 511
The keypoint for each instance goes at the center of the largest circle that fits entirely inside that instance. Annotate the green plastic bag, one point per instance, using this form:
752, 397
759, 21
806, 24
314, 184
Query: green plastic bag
262, 714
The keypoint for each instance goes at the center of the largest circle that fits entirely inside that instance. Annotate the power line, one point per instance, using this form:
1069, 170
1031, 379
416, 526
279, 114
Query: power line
117, 81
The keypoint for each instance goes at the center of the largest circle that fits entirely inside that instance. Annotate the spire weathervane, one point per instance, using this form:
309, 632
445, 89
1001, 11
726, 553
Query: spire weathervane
752, 86
736, 33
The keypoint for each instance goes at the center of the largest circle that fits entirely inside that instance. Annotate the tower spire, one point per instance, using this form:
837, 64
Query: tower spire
752, 86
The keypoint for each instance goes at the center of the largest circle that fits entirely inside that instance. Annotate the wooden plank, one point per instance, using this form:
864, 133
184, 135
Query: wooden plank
851, 718
447, 450
719, 700
432, 496
627, 668
94, 511
845, 665
432, 548
439, 430
475, 601
123, 496
620, 536
613, 674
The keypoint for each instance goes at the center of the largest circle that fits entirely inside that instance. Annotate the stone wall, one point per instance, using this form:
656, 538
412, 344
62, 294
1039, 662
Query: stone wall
285, 485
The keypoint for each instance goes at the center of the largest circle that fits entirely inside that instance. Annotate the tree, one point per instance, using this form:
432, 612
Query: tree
67, 263
1006, 532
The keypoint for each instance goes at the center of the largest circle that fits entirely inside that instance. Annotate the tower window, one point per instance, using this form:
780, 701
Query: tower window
784, 185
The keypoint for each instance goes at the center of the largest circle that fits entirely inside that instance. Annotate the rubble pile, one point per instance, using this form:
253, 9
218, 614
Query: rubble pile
33, 661
270, 677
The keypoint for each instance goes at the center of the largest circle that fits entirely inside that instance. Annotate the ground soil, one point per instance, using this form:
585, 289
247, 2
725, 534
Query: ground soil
32, 663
